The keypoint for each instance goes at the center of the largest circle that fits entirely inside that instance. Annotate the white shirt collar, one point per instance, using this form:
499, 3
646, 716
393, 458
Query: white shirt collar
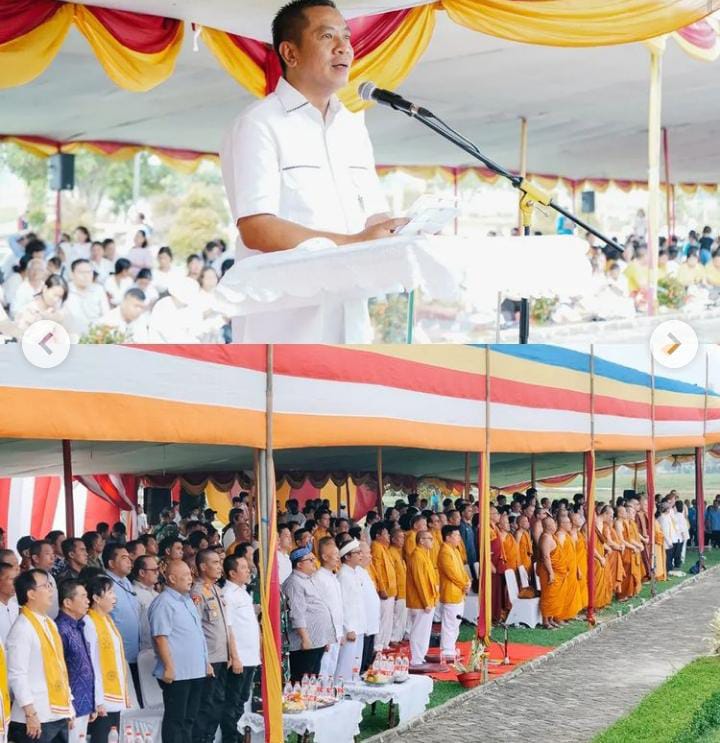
293, 100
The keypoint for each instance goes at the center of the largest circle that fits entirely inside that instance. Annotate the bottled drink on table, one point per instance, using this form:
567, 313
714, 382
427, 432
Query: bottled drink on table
355, 674
297, 689
287, 690
305, 685
138, 737
148, 737
340, 689
113, 736
129, 735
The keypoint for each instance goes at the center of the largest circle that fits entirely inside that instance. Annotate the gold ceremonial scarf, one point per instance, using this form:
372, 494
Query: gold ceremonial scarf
56, 676
4, 692
105, 628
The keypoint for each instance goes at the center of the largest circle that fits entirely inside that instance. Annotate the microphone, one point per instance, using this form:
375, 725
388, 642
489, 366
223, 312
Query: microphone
368, 91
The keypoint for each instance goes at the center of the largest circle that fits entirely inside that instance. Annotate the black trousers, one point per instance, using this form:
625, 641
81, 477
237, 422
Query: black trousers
181, 702
715, 538
212, 702
50, 732
136, 682
368, 653
238, 688
99, 729
305, 661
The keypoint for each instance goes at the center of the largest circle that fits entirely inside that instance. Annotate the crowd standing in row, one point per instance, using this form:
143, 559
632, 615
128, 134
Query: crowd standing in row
93, 612
86, 286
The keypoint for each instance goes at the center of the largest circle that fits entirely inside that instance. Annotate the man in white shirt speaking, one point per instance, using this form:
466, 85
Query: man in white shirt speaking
298, 165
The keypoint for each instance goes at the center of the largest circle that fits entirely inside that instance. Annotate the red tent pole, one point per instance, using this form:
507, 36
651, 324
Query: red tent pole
68, 480
700, 498
650, 478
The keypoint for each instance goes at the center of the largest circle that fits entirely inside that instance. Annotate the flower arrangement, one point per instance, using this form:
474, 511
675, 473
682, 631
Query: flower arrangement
476, 659
542, 308
671, 293
103, 334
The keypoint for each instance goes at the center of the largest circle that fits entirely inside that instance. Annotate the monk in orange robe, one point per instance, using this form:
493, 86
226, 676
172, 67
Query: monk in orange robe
552, 571
578, 533
510, 545
660, 556
632, 547
525, 544
604, 575
572, 602
500, 599
639, 507
614, 557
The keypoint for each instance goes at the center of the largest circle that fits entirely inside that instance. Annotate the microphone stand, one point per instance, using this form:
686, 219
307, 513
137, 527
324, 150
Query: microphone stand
532, 194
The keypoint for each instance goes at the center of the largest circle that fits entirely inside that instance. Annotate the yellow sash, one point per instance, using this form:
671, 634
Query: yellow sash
109, 670
4, 692
56, 676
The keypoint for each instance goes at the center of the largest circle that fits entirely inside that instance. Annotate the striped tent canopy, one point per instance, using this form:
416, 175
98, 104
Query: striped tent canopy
169, 409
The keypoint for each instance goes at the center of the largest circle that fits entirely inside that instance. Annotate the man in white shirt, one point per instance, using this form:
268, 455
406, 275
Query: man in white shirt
372, 606
144, 577
283, 552
87, 301
8, 601
30, 662
298, 165
42, 556
129, 317
671, 536
330, 589
354, 622
246, 631
100, 264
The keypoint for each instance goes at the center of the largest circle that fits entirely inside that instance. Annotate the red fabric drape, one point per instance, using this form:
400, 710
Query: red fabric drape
147, 34
47, 492
22, 16
367, 32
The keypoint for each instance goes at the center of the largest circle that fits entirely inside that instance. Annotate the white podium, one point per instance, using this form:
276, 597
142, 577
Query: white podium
317, 293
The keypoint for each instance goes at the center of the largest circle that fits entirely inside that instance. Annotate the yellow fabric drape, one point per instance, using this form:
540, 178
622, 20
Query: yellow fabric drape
235, 61
571, 23
4, 693
28, 56
127, 68
392, 61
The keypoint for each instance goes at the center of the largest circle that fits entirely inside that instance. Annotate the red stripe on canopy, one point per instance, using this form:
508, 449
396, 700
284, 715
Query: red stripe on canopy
19, 17
47, 492
147, 34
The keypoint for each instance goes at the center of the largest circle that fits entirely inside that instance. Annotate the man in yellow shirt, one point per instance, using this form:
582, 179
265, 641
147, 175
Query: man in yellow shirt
397, 539
692, 271
417, 524
422, 596
323, 530
454, 584
385, 582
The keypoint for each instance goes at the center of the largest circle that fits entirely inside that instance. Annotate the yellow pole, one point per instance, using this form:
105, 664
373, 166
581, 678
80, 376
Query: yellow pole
523, 159
657, 48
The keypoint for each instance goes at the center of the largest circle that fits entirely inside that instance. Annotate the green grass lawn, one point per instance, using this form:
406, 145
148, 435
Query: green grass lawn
445, 690
685, 709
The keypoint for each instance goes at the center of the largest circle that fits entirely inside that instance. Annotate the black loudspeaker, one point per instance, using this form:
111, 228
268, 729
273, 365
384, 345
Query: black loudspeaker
62, 172
155, 499
588, 202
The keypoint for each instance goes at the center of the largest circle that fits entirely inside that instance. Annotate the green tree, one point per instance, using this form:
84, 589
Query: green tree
32, 171
201, 216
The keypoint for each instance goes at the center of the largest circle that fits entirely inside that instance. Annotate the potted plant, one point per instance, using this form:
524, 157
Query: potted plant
471, 673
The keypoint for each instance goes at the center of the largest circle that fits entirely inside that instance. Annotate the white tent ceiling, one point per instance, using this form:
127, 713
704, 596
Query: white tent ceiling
587, 108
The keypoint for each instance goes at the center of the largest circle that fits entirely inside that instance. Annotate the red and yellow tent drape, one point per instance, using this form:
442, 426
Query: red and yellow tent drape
185, 161
137, 51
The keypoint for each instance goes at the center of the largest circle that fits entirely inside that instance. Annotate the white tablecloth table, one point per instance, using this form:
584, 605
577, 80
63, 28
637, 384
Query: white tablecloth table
337, 724
143, 721
411, 696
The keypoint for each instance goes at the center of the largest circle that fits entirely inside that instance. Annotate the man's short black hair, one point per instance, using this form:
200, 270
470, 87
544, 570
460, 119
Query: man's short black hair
448, 529
66, 590
167, 544
26, 582
135, 293
377, 529
68, 546
110, 552
290, 22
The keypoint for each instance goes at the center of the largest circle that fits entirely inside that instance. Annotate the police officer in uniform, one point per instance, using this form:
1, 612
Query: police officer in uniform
222, 653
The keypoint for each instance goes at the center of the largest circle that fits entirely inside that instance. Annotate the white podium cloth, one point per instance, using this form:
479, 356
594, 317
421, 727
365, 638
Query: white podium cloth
411, 697
337, 724
285, 286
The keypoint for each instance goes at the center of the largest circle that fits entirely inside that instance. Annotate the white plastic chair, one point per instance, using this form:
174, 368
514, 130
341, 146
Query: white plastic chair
537, 577
523, 611
151, 692
524, 578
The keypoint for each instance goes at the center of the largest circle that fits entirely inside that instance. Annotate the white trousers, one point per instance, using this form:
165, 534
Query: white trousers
328, 664
420, 635
79, 728
450, 630
349, 657
382, 636
399, 621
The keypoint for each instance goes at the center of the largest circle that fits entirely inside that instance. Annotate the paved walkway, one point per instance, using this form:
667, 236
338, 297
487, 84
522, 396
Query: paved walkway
577, 693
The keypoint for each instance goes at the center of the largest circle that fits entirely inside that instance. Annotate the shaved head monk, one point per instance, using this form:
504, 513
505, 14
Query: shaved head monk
552, 571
